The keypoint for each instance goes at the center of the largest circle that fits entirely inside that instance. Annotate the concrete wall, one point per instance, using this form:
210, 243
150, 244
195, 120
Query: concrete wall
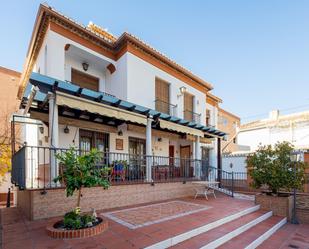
55, 203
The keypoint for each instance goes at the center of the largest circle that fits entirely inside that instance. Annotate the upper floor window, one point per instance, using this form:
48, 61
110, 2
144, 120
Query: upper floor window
188, 106
223, 120
84, 80
163, 96
207, 117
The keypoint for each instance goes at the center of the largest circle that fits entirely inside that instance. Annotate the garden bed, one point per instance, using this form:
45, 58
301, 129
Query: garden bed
57, 230
280, 206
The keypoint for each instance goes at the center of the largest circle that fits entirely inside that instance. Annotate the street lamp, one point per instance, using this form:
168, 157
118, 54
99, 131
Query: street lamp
294, 159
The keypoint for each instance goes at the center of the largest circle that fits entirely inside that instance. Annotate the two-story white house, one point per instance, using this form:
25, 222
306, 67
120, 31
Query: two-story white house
82, 86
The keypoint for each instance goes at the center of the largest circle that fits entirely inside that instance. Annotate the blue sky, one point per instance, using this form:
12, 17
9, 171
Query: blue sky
255, 53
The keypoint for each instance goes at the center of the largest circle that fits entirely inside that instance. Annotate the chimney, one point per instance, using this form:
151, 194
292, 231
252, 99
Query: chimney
274, 115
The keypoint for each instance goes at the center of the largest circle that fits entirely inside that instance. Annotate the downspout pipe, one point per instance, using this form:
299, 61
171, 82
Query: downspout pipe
31, 96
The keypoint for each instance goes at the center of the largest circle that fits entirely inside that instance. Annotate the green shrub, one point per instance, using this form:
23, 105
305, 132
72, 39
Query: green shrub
74, 220
273, 167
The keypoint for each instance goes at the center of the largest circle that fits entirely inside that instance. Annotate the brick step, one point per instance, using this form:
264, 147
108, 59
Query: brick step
254, 236
217, 233
182, 237
276, 240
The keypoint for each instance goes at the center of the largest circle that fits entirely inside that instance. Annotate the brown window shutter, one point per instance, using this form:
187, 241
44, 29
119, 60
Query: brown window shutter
188, 106
162, 96
84, 80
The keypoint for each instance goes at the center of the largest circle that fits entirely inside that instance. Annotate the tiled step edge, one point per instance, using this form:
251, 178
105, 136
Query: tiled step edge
202, 229
267, 234
220, 241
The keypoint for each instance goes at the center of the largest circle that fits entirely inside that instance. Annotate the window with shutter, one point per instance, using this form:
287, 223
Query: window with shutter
84, 80
162, 96
207, 117
188, 106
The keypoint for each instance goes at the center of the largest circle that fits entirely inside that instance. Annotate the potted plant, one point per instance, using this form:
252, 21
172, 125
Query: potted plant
79, 171
272, 169
119, 170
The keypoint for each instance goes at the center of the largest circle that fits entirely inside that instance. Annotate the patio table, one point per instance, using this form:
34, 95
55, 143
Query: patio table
204, 188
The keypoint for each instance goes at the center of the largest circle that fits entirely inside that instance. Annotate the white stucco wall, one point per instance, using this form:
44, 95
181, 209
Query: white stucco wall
141, 87
238, 163
298, 135
253, 138
117, 82
55, 62
73, 61
213, 114
133, 80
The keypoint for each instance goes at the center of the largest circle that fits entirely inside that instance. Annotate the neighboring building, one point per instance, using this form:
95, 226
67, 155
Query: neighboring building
229, 123
293, 128
82, 86
9, 103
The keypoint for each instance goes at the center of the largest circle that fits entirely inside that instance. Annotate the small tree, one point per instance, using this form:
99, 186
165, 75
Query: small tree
273, 167
81, 171
5, 160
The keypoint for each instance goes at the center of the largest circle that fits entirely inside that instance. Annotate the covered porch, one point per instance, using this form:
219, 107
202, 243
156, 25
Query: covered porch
153, 146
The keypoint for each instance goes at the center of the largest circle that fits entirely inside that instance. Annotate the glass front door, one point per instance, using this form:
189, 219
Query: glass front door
92, 139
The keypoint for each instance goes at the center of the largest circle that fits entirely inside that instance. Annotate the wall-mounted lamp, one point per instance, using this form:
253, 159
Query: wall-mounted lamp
85, 66
66, 130
120, 133
41, 128
182, 90
159, 139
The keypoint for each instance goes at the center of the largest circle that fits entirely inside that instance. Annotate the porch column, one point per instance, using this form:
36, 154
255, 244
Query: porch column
148, 151
197, 157
53, 135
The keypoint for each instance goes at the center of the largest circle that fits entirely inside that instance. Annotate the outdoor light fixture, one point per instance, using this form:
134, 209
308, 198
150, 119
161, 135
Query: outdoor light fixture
294, 157
66, 130
182, 90
85, 66
120, 133
41, 128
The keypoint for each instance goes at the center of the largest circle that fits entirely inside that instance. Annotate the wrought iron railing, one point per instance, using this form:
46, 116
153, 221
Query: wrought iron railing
168, 108
192, 116
35, 167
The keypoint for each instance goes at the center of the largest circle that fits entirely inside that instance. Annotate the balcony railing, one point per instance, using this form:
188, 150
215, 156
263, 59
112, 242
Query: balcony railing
192, 116
168, 108
31, 168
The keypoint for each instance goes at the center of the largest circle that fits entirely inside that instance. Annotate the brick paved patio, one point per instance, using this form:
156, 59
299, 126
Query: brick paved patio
18, 232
